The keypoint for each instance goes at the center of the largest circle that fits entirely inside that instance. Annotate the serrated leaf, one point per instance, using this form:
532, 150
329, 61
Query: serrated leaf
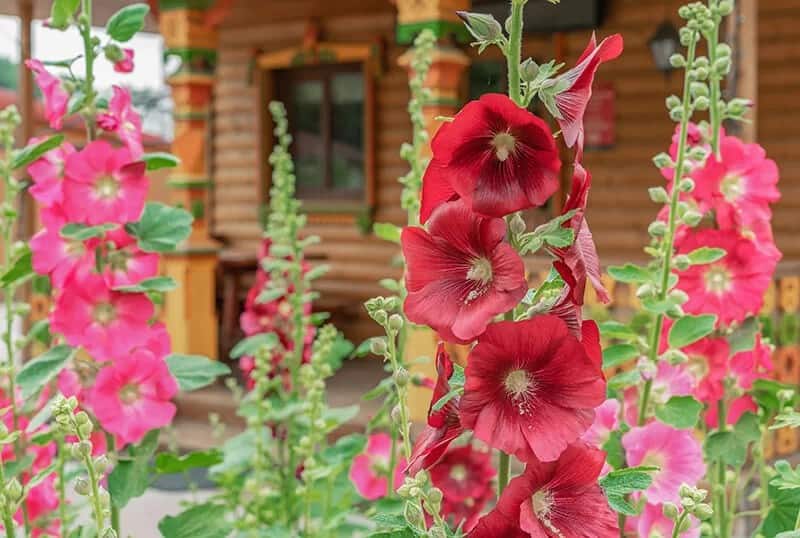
36, 373
161, 228
619, 354
689, 329
159, 284
629, 273
251, 344
618, 484
28, 154
167, 463
127, 22
616, 330
624, 380
269, 295
159, 160
387, 231
705, 255
727, 447
681, 412
193, 372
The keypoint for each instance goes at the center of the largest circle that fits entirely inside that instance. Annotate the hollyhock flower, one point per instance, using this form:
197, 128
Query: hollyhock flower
57, 256
736, 408
464, 475
733, 287
531, 387
47, 173
460, 273
557, 499
760, 231
676, 453
708, 363
747, 366
158, 341
56, 98
498, 157
125, 65
103, 185
652, 523
572, 101
369, 469
132, 396
742, 184
108, 324
668, 381
443, 425
606, 420
122, 119
127, 264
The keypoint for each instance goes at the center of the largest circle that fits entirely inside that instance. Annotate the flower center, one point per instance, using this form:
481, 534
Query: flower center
518, 384
503, 145
542, 504
698, 366
119, 260
718, 279
480, 271
128, 126
104, 313
106, 187
731, 187
379, 466
129, 394
74, 249
458, 473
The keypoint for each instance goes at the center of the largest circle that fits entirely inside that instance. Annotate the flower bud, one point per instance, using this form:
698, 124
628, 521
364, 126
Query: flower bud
528, 70
676, 114
81, 486
701, 73
675, 357
657, 228
685, 525
113, 53
673, 101
413, 514
658, 195
401, 377
645, 290
688, 503
699, 89
723, 49
483, 27
702, 103
82, 418
395, 322
703, 511
670, 511
739, 107
378, 346
101, 463
435, 495
678, 296
677, 61
517, 224
785, 395
403, 490
684, 12
109, 533
14, 490
662, 160
397, 415
722, 66
682, 263
692, 218
675, 312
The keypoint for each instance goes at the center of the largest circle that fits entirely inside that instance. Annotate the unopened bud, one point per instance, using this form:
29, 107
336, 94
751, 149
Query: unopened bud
722, 66
380, 316
378, 346
677, 61
673, 101
435, 495
401, 377
82, 418
702, 103
14, 490
725, 8
688, 503
703, 511
113, 53
675, 357
109, 533
517, 224
692, 218
395, 322
81, 486
397, 415
685, 525
483, 27
662, 160
699, 89
669, 510
528, 70
682, 262
658, 194
657, 228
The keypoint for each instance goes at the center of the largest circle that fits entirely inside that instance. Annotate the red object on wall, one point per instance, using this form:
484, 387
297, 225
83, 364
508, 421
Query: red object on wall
599, 121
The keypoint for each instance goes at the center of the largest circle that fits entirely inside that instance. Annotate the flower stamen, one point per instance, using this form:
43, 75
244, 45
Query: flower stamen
504, 144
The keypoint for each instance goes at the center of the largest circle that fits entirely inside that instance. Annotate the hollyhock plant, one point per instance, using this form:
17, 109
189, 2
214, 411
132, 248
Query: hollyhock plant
677, 454
47, 173
125, 65
556, 499
127, 264
123, 120
60, 258
498, 157
56, 98
369, 469
104, 185
460, 272
464, 474
132, 396
531, 388
606, 420
107, 323
652, 523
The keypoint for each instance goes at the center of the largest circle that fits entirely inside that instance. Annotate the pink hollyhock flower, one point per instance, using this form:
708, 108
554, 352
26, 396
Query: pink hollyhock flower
606, 420
733, 287
59, 257
443, 425
531, 387
747, 366
460, 273
108, 324
557, 499
742, 184
122, 119
760, 231
132, 396
498, 157
652, 523
125, 65
56, 98
708, 363
103, 185
127, 263
736, 408
369, 469
47, 173
158, 340
572, 101
676, 453
668, 381
464, 475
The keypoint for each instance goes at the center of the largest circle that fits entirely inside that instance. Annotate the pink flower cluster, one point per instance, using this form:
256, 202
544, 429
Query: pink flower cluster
100, 188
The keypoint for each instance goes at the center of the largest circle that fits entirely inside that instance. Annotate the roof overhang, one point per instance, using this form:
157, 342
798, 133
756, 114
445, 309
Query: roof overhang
101, 11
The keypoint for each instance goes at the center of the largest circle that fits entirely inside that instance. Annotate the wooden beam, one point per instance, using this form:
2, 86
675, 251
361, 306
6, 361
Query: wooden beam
743, 37
25, 105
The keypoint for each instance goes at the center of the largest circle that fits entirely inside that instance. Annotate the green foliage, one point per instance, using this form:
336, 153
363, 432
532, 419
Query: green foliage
158, 284
705, 255
25, 156
251, 344
21, 269
160, 160
743, 337
193, 372
630, 273
784, 505
619, 484
682, 412
167, 463
82, 232
127, 22
619, 354
36, 373
61, 12
387, 231
131, 476
208, 520
161, 228
689, 329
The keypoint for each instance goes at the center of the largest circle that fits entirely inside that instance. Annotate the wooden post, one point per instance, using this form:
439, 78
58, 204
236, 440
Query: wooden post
190, 311
743, 35
25, 105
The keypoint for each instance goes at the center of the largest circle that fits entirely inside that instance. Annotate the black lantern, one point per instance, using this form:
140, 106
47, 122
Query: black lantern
664, 43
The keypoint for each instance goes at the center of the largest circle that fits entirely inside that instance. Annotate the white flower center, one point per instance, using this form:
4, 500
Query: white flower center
521, 387
129, 394
480, 271
106, 187
542, 503
458, 473
503, 145
718, 279
732, 187
104, 313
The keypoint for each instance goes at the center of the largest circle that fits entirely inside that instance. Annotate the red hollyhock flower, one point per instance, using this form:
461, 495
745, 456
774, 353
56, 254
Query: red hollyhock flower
465, 477
572, 102
554, 500
460, 273
531, 387
497, 156
443, 425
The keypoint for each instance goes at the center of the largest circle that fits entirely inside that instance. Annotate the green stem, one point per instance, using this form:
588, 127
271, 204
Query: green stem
669, 240
514, 51
62, 486
714, 82
111, 452
719, 493
89, 56
392, 464
94, 483
502, 473
676, 530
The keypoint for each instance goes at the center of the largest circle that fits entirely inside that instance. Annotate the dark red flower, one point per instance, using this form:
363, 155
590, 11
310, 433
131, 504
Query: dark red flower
554, 500
572, 102
581, 257
460, 273
464, 475
531, 387
443, 425
497, 156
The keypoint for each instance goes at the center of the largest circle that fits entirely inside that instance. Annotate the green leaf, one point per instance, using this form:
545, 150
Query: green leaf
624, 380
268, 295
167, 463
387, 231
25, 156
36, 373
21, 269
61, 12
705, 255
18, 466
619, 354
786, 419
251, 344
81, 232
765, 393
622, 482
787, 478
727, 447
127, 22
159, 160
344, 450
336, 416
748, 428
194, 371
76, 102
743, 337
202, 521
616, 330
784, 506
159, 284
161, 227
689, 329
615, 453
629, 273
680, 411
131, 477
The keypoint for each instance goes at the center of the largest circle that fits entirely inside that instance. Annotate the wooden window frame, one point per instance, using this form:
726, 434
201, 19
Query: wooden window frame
368, 56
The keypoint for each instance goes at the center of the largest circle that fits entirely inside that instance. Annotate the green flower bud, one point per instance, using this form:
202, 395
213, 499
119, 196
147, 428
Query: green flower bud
675, 312
678, 296
685, 525
517, 224
725, 7
700, 73
81, 486
723, 66
692, 218
662, 160
681, 262
677, 61
435, 495
82, 418
672, 102
14, 490
702, 103
676, 114
686, 184
413, 514
528, 70
739, 107
684, 12
688, 503
483, 27
670, 511
401, 377
113, 52
703, 512
395, 322
101, 463
658, 194
675, 357
723, 50
109, 533
378, 346
657, 228
397, 415
380, 316
403, 490
645, 290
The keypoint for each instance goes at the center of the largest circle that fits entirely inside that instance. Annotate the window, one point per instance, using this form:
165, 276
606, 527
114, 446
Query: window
325, 105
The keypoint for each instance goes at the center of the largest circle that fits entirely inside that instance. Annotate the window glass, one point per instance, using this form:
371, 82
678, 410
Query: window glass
308, 148
347, 131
